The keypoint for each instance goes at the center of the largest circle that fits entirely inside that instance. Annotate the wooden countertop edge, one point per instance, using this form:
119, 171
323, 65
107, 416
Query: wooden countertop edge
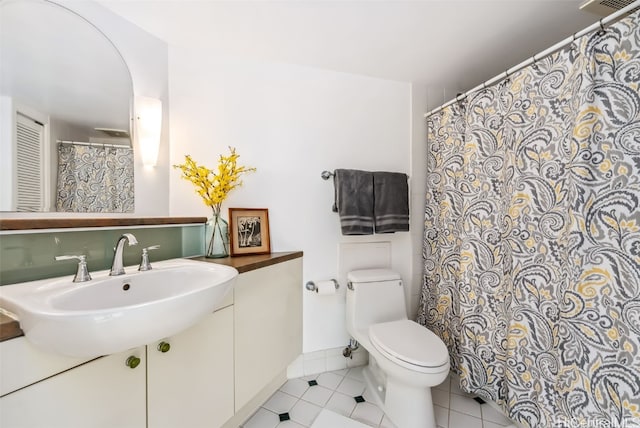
65, 223
10, 327
252, 262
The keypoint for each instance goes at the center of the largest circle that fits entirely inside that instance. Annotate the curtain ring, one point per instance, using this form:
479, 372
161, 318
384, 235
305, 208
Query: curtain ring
602, 31
535, 63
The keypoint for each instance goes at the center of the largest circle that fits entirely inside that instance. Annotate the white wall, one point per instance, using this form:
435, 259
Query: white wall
419, 101
291, 123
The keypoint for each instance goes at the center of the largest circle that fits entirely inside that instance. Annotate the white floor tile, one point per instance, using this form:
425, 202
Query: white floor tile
368, 413
290, 424
370, 396
280, 402
460, 420
351, 387
386, 423
489, 424
318, 395
295, 387
340, 403
442, 416
356, 373
466, 405
304, 413
329, 419
440, 397
492, 415
262, 419
341, 372
335, 394
329, 380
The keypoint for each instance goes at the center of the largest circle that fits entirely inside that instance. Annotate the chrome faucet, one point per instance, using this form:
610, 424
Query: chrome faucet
117, 267
82, 274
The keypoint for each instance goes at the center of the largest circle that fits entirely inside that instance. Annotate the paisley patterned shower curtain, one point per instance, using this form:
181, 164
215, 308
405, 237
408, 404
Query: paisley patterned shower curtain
95, 179
532, 236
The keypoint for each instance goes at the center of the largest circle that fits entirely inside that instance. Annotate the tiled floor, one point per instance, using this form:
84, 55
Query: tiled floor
299, 401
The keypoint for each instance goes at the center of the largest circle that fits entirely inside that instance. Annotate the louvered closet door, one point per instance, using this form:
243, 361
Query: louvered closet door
30, 145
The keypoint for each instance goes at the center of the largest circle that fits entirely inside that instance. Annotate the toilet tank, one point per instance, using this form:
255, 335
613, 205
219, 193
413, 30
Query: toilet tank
377, 296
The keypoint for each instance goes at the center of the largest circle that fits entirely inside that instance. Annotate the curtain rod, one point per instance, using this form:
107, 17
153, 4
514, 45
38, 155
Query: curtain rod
117, 146
595, 26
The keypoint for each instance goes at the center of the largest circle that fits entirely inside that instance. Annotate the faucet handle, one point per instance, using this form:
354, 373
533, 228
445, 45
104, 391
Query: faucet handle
144, 263
82, 274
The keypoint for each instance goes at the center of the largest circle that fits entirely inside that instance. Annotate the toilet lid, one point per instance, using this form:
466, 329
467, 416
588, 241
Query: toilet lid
409, 342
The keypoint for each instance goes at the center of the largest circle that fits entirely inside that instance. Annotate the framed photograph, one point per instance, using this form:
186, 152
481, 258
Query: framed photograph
249, 231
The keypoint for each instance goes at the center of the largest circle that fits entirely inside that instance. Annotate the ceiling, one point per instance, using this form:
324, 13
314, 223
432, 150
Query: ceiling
451, 44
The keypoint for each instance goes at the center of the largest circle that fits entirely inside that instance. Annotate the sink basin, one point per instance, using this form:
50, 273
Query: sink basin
111, 314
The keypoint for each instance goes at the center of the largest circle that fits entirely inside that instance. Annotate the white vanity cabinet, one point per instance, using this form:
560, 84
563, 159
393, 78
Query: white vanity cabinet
268, 326
102, 393
214, 374
190, 384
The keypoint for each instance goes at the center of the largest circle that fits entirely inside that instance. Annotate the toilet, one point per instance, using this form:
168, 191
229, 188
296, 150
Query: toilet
405, 358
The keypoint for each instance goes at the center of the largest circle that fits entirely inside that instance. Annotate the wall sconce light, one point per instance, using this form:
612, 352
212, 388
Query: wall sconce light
148, 129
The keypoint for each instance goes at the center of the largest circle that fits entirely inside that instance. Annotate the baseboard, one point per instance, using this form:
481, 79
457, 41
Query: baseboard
326, 360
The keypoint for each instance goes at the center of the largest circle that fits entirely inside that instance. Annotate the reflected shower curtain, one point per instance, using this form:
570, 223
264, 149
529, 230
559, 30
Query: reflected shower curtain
532, 236
95, 179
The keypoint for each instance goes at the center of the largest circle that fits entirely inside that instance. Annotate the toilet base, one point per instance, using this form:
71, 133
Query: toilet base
406, 406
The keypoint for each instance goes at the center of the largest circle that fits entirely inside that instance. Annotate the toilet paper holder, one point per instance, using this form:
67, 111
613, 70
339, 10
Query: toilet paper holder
311, 286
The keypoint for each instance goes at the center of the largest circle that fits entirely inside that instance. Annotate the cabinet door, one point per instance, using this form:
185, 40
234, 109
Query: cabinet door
101, 393
268, 325
191, 384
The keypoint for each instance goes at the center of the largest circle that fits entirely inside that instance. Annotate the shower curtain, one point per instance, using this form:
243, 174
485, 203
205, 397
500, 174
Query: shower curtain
532, 236
95, 179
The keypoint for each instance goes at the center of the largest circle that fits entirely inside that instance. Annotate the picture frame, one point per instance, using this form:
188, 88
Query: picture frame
249, 231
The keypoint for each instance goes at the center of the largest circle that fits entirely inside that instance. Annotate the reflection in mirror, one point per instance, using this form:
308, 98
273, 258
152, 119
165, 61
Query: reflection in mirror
65, 99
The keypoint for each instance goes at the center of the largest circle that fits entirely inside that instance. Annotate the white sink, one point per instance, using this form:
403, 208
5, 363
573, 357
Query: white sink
111, 314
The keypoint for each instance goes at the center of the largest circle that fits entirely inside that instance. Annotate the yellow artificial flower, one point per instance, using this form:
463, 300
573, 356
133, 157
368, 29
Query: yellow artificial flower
214, 186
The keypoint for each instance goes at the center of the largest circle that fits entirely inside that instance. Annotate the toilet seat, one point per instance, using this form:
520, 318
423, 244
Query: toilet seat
410, 345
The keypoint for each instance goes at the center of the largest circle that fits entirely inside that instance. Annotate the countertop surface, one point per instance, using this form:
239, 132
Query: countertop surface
10, 328
253, 262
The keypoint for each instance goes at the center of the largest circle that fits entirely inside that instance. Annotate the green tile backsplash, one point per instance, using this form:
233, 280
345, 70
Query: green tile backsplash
30, 256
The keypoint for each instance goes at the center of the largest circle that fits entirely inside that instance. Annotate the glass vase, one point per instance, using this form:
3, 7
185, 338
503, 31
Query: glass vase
216, 237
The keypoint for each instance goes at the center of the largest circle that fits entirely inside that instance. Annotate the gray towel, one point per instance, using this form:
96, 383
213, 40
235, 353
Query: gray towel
391, 202
354, 201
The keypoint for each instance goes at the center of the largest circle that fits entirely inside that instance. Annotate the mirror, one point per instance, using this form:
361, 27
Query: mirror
70, 82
